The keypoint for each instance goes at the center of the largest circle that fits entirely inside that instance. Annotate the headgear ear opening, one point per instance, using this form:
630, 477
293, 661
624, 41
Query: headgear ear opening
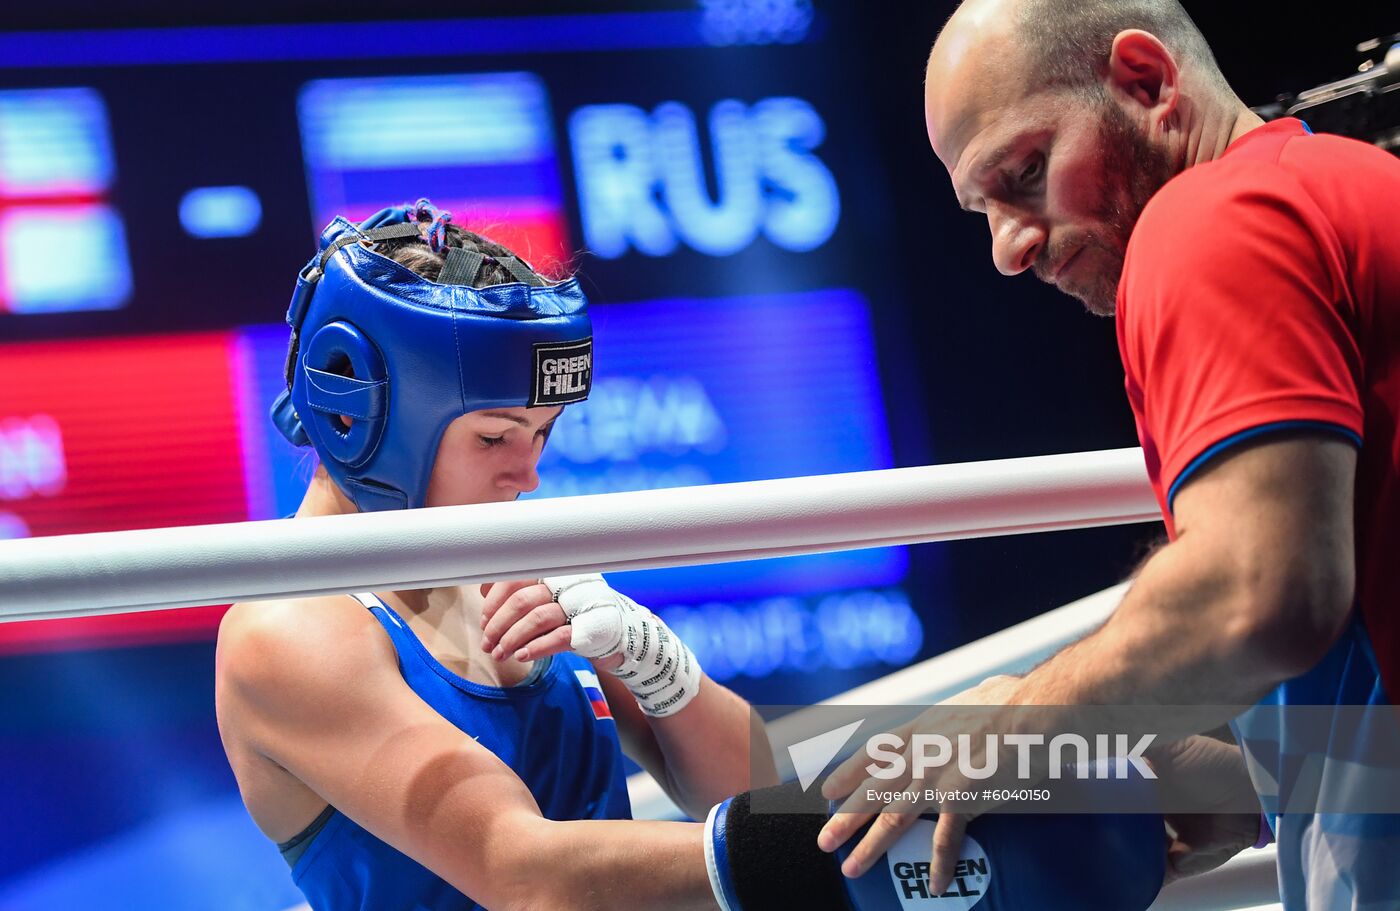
361, 396
403, 356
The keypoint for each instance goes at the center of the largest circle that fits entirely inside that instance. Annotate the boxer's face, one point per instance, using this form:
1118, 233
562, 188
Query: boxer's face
1061, 178
490, 456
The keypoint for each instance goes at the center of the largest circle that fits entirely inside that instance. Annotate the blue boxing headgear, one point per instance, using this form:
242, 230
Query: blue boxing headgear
418, 354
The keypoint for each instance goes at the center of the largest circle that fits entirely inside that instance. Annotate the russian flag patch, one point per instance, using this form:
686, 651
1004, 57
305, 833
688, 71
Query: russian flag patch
594, 691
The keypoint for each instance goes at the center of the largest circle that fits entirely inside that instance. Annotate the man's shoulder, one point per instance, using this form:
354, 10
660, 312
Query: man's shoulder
1206, 226
1200, 195
1273, 175
1217, 214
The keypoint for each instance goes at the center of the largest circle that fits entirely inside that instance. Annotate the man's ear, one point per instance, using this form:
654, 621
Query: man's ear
1143, 72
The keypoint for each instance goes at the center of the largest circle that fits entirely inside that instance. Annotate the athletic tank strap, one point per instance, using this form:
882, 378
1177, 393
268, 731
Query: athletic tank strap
405, 641
293, 848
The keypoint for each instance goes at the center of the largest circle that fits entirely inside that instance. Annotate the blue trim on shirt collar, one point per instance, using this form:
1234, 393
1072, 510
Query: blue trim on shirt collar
1249, 434
1306, 127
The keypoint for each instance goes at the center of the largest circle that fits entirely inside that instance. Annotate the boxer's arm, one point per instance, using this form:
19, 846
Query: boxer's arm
318, 692
700, 740
712, 749
1254, 590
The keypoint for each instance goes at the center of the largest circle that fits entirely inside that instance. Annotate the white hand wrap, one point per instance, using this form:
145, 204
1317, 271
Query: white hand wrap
658, 668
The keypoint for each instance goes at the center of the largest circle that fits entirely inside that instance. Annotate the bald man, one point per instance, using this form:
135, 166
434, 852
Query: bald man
1254, 273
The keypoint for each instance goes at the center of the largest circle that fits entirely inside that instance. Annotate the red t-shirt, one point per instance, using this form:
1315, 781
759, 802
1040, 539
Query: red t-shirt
1261, 291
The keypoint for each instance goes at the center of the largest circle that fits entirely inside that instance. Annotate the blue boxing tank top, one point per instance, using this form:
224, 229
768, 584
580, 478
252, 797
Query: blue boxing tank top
554, 730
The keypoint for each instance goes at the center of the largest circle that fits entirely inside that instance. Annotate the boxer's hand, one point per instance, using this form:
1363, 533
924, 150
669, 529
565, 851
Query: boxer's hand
528, 619
657, 667
520, 619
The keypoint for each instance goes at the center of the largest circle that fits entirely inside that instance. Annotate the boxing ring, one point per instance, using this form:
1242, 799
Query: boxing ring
153, 569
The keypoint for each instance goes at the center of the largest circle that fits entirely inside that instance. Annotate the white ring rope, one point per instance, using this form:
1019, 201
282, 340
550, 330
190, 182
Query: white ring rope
116, 572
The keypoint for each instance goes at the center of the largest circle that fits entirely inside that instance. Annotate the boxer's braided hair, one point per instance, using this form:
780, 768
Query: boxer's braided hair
427, 254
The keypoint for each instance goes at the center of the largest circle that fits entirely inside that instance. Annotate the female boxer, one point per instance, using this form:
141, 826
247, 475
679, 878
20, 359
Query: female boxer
460, 747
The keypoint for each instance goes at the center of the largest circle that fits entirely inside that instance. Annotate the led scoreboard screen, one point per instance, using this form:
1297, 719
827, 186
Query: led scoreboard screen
703, 170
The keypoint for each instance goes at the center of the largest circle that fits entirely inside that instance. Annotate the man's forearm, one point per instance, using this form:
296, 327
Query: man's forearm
1183, 636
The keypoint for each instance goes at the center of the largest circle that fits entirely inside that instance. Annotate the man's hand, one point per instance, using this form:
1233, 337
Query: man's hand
850, 781
1201, 772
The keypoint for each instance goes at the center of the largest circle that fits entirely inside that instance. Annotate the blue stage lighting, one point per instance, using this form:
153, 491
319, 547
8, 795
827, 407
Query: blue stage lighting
220, 212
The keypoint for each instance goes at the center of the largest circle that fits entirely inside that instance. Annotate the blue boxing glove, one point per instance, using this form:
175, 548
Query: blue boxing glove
770, 859
1010, 862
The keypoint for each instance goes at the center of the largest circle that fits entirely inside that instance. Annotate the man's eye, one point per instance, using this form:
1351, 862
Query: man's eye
492, 441
1032, 171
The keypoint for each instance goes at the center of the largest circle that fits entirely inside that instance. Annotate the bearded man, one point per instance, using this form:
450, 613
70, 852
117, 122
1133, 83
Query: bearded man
1253, 270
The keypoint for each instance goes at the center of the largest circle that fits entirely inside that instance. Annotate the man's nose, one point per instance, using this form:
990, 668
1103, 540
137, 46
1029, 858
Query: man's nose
1016, 239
